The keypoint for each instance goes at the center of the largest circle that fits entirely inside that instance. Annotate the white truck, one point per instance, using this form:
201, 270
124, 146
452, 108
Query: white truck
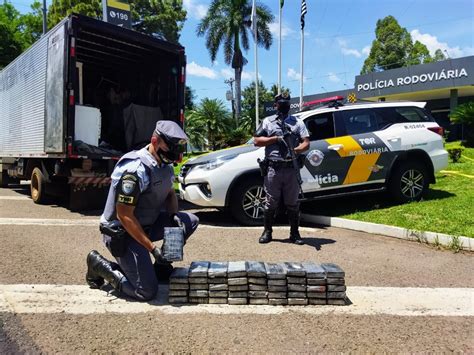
83, 95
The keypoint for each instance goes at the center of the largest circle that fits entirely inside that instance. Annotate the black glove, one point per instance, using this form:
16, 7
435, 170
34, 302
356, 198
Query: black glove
158, 257
176, 221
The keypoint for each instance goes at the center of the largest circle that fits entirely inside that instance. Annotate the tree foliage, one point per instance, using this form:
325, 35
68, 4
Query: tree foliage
210, 122
17, 32
464, 114
164, 18
227, 24
393, 48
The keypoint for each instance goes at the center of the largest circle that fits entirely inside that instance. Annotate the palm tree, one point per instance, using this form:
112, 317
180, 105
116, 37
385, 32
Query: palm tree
227, 23
210, 119
464, 114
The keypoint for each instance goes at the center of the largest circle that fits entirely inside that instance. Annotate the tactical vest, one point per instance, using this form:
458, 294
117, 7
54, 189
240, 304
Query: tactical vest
151, 200
278, 151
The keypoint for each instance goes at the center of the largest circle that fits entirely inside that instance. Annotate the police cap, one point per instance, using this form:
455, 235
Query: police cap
171, 132
284, 96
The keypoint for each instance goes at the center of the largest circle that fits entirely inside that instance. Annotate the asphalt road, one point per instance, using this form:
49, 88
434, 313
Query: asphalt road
43, 246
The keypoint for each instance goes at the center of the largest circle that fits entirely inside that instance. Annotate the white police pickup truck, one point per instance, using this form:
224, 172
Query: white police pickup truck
354, 148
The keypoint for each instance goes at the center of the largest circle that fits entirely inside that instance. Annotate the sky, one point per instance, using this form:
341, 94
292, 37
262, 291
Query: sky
337, 39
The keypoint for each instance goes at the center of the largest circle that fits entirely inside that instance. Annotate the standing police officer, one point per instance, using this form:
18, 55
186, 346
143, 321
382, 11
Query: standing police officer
281, 180
141, 202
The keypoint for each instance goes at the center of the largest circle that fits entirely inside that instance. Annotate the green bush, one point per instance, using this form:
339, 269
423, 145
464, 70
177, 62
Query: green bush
455, 154
464, 114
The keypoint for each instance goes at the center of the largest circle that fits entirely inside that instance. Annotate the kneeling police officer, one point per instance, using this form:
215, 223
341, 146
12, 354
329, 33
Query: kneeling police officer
280, 177
141, 202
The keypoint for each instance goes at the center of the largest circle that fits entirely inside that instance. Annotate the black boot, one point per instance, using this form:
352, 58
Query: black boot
266, 237
294, 219
100, 269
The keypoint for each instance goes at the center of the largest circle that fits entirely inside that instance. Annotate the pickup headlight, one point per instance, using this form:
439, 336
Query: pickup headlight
215, 163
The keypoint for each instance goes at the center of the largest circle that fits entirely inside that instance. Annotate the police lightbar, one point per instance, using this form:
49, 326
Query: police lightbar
330, 101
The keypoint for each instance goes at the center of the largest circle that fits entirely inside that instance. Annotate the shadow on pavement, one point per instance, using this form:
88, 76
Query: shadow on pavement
311, 241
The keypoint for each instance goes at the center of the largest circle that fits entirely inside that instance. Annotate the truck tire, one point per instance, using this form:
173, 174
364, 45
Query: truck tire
37, 186
408, 182
246, 203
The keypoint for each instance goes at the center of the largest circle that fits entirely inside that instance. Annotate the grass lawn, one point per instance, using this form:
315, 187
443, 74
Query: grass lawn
447, 207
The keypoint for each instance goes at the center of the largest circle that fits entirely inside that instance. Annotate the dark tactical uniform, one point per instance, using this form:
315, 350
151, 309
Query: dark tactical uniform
280, 182
139, 180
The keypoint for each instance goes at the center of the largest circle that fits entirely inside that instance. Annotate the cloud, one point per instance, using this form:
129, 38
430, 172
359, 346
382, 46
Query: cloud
366, 50
195, 10
246, 76
432, 43
294, 75
348, 51
333, 77
194, 69
285, 30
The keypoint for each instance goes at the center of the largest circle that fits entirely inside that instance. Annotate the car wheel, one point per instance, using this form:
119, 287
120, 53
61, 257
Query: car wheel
409, 182
247, 201
37, 186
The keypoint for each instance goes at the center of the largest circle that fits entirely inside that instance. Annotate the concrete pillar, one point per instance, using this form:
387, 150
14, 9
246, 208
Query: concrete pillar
453, 100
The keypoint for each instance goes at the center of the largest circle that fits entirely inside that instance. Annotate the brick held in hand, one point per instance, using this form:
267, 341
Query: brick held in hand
275, 271
333, 270
198, 269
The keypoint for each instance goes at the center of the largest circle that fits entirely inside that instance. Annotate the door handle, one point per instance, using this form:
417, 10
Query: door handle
394, 139
336, 146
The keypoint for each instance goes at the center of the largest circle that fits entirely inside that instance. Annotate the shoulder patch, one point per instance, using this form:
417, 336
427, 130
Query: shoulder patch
129, 183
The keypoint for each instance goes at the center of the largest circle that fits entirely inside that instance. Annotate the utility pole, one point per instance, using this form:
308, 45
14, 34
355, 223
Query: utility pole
45, 24
230, 97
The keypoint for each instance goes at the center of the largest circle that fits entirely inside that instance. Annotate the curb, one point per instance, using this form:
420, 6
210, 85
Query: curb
391, 231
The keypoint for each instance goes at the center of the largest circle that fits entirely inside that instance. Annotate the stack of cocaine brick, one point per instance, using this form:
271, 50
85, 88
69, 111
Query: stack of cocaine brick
336, 285
296, 280
277, 287
198, 285
179, 286
217, 280
257, 279
238, 282
315, 283
252, 282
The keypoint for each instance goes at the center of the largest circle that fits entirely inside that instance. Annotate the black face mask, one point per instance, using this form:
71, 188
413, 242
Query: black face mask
176, 148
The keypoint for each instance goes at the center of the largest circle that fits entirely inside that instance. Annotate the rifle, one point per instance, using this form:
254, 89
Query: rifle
291, 149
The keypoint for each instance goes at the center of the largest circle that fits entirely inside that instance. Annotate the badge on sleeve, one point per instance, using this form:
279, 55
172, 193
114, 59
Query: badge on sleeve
128, 189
